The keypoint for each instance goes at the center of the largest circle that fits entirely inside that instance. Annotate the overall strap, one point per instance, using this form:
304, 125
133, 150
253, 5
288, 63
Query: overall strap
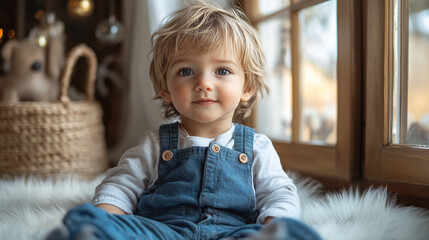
169, 136
243, 140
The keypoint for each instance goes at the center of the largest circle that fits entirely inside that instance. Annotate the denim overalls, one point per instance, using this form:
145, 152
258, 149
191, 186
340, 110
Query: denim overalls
209, 187
200, 193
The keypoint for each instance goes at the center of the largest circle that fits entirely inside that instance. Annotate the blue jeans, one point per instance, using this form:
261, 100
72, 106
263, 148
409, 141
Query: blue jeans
104, 225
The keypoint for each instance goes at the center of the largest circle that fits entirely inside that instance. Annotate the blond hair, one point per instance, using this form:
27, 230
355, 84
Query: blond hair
203, 28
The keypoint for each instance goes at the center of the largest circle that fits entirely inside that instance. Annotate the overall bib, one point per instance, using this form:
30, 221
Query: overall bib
209, 189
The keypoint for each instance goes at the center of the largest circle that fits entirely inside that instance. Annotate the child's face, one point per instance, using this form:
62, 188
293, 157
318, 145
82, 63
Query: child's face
206, 87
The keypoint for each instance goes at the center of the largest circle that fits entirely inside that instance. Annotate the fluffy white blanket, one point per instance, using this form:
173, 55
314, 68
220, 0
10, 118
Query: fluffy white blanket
30, 208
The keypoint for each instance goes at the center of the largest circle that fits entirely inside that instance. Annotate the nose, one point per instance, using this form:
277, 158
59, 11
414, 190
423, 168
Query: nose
36, 66
203, 83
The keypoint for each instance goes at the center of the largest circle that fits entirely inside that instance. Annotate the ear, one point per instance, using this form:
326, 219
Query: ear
7, 50
166, 96
6, 53
247, 94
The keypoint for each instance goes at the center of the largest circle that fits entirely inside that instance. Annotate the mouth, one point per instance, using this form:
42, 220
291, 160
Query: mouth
204, 101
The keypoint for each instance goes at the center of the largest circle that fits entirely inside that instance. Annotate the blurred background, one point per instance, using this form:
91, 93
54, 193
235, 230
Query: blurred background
119, 32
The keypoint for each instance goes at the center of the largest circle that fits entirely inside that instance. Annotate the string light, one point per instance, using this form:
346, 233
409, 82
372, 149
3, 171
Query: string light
39, 15
42, 41
11, 33
80, 8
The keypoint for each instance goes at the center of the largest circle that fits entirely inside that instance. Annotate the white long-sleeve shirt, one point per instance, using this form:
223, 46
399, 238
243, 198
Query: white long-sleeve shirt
137, 170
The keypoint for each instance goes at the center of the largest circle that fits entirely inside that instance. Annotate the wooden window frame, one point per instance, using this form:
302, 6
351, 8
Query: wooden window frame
341, 160
385, 162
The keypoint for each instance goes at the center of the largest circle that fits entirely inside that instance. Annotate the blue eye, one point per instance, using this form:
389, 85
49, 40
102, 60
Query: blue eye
223, 71
185, 72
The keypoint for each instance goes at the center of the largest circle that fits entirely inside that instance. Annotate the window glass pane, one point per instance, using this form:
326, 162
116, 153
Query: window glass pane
396, 102
413, 127
275, 110
318, 73
418, 72
267, 7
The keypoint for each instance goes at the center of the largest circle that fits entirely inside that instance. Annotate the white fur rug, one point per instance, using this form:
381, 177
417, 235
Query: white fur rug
29, 209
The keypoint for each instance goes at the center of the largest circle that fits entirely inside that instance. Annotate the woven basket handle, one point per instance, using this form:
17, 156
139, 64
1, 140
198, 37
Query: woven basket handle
75, 53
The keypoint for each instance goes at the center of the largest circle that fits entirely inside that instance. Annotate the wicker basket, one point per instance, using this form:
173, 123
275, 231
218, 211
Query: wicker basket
51, 138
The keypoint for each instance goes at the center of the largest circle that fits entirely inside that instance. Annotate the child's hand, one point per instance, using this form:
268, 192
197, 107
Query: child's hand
268, 220
111, 209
